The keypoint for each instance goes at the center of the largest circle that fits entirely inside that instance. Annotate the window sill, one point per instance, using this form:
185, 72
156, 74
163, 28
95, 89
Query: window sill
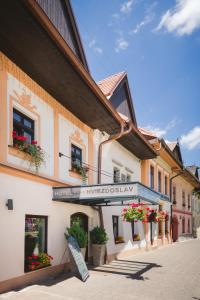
35, 268
74, 174
18, 153
119, 242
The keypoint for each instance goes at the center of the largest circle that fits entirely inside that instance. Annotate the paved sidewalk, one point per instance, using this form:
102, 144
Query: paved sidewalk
171, 273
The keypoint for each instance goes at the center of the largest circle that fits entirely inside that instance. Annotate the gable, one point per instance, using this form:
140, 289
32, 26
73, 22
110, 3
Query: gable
61, 15
122, 101
177, 153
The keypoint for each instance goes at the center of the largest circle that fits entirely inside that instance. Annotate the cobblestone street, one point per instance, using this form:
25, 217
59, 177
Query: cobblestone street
171, 273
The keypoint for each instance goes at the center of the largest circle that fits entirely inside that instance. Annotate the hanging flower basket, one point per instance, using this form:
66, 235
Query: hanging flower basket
138, 212
134, 213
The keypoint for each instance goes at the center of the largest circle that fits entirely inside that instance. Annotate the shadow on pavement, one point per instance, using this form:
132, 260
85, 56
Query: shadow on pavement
131, 269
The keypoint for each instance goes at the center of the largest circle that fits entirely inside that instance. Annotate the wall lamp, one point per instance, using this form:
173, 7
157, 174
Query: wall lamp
9, 204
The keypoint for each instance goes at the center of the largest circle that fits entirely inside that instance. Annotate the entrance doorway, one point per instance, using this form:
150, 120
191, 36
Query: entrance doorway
83, 218
174, 228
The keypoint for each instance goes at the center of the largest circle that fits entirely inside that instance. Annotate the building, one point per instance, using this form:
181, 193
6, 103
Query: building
122, 157
47, 97
195, 204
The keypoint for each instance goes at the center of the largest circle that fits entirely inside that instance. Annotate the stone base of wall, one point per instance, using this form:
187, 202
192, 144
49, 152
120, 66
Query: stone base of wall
32, 277
157, 244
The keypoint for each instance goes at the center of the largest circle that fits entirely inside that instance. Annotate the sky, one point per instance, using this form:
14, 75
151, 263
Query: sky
158, 44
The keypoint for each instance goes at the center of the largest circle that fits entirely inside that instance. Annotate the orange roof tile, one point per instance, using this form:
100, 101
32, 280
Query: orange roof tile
109, 84
147, 133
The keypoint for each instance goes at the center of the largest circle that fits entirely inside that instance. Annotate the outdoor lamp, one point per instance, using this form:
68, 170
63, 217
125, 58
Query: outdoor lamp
9, 204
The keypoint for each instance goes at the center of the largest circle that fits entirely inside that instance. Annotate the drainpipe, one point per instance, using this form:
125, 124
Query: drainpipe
170, 196
113, 137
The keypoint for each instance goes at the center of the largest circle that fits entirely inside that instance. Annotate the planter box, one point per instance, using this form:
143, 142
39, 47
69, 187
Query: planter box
98, 252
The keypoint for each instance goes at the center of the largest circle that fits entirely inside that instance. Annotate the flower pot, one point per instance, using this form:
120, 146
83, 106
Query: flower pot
83, 251
98, 252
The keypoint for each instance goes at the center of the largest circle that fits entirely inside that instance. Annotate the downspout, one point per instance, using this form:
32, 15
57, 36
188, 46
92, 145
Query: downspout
113, 137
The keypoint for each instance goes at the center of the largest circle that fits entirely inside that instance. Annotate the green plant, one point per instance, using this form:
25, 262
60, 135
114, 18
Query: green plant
37, 154
82, 170
45, 259
98, 235
136, 237
78, 233
119, 239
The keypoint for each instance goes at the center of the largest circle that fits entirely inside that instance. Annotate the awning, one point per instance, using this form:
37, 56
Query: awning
108, 194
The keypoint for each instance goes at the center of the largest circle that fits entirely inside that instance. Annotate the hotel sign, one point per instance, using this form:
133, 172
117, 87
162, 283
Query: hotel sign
123, 191
95, 191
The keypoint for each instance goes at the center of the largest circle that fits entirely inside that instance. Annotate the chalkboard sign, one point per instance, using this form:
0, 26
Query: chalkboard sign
78, 258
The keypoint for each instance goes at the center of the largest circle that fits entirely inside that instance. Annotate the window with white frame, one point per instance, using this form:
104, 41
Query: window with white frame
123, 177
128, 178
152, 177
116, 175
159, 181
23, 127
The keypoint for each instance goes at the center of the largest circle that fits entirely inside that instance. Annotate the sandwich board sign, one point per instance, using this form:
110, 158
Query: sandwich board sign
78, 258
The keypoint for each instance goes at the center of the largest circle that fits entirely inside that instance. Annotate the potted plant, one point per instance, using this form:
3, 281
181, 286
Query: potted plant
35, 262
136, 237
79, 234
99, 238
82, 170
119, 239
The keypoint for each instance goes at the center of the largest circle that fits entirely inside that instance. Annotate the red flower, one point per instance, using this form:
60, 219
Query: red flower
125, 209
34, 142
147, 208
14, 133
37, 263
32, 263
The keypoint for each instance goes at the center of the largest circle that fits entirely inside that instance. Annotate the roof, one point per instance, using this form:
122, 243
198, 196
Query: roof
194, 170
172, 145
108, 85
147, 133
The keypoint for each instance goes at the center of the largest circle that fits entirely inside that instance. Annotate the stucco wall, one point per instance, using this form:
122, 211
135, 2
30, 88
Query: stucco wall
36, 199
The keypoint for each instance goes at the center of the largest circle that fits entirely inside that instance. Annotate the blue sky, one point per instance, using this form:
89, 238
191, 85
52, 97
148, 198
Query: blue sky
158, 44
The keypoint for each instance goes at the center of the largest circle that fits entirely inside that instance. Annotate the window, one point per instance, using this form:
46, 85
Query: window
151, 177
23, 125
189, 204
188, 225
159, 181
123, 178
174, 195
128, 178
116, 175
183, 198
166, 185
76, 156
35, 236
115, 220
183, 225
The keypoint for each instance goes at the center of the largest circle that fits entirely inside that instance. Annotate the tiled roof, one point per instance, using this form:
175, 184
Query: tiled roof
147, 133
171, 145
109, 84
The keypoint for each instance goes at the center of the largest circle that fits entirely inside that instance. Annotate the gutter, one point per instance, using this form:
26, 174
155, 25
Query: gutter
114, 137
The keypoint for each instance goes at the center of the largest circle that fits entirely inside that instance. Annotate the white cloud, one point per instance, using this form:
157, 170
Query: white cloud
144, 22
161, 132
121, 44
126, 7
192, 139
183, 19
92, 45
